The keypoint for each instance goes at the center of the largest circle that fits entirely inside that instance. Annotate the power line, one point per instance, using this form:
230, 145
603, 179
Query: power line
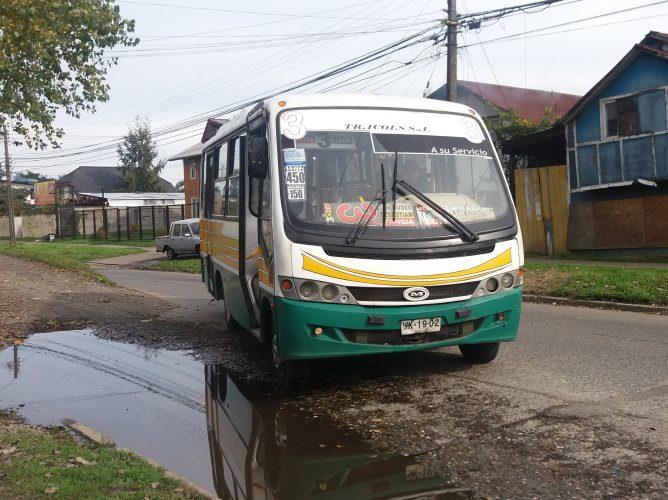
598, 16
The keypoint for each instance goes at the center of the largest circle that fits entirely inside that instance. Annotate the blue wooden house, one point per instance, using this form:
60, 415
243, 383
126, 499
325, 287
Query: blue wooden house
617, 154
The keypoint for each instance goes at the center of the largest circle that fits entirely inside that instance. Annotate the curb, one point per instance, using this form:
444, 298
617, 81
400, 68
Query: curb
102, 440
595, 304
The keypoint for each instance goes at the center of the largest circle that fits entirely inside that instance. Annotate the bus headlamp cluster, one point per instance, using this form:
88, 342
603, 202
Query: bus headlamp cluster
315, 291
500, 282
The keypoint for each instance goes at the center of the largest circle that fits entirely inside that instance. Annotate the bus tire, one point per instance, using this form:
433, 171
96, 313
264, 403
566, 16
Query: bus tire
479, 353
292, 374
231, 323
171, 254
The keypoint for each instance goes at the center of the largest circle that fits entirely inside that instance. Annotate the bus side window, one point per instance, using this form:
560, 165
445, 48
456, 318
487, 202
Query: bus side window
208, 178
233, 179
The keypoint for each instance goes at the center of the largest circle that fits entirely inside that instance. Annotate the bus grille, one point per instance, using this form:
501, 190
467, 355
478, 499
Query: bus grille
394, 337
396, 294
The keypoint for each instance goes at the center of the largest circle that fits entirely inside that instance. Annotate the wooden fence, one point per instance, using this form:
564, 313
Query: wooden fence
541, 199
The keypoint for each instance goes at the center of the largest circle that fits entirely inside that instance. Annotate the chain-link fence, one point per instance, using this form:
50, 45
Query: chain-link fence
128, 223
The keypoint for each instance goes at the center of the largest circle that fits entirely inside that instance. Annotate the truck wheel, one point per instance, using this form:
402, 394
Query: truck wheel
171, 254
479, 353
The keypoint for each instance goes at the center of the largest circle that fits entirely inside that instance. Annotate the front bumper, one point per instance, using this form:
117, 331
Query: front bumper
296, 321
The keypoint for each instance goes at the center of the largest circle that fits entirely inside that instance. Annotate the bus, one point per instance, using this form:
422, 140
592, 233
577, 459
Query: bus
345, 225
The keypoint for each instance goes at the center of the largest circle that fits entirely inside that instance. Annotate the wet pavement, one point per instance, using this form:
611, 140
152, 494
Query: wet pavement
576, 409
226, 434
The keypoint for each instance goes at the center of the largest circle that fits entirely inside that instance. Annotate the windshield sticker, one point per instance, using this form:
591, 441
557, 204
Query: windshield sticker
429, 144
294, 162
354, 212
468, 213
292, 125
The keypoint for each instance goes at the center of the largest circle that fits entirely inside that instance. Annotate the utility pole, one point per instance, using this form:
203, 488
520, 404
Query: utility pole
452, 50
10, 202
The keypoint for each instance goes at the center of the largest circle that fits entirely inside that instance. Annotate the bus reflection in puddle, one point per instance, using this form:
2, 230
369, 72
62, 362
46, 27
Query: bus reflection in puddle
261, 448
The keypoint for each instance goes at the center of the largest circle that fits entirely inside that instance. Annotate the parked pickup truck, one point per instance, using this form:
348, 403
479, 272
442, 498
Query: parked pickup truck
183, 239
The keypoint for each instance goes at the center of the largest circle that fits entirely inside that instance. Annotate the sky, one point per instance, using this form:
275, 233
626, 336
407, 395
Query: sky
197, 58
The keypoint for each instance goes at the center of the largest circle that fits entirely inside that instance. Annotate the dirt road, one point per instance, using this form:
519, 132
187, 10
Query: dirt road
576, 408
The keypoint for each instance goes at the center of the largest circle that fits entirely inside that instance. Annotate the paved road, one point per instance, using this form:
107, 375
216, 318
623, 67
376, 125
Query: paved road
577, 407
567, 353
184, 290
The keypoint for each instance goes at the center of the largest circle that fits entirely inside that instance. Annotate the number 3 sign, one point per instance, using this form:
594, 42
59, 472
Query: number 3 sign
292, 125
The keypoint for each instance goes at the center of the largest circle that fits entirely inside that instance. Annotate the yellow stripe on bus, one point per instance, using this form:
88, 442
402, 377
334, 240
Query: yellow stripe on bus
326, 268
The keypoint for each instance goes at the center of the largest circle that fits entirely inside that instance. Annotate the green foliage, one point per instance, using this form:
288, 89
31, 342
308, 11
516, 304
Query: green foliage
510, 124
138, 154
51, 58
181, 265
587, 282
66, 256
20, 203
35, 176
52, 461
180, 186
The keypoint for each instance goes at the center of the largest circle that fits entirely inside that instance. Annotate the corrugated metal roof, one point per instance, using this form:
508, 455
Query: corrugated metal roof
192, 152
528, 103
139, 196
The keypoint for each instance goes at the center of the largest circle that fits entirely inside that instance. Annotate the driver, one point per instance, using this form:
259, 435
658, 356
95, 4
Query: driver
413, 175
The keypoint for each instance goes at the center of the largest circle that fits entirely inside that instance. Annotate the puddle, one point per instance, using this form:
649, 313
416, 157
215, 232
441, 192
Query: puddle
228, 436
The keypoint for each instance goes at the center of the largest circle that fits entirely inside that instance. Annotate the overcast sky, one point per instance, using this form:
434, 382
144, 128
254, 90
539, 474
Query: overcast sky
194, 57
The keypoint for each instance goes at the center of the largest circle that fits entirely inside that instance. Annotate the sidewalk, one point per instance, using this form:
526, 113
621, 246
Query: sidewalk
130, 260
605, 263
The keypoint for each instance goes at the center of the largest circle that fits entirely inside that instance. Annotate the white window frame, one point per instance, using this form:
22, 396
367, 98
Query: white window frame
604, 118
193, 170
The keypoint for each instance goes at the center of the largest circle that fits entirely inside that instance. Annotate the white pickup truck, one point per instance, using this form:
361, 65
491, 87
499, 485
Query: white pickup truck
183, 239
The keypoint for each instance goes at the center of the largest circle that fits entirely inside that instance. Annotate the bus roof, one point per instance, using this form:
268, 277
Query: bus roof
341, 100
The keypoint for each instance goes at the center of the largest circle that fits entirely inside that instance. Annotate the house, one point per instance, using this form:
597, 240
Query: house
136, 199
617, 154
490, 100
191, 166
107, 179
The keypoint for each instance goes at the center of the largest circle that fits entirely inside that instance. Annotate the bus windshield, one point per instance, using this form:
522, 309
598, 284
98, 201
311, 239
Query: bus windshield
337, 175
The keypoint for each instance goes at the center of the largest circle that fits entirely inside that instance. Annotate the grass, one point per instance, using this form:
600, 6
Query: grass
73, 257
590, 282
36, 462
611, 256
146, 242
179, 266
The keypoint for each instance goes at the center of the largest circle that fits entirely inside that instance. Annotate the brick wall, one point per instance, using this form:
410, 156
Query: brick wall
190, 185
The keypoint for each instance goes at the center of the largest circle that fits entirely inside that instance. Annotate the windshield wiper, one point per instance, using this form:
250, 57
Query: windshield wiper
464, 231
363, 223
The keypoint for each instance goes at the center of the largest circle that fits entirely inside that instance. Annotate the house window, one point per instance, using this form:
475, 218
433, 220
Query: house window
635, 114
193, 170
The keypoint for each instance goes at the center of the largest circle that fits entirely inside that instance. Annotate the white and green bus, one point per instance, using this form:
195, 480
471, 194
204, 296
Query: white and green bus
343, 225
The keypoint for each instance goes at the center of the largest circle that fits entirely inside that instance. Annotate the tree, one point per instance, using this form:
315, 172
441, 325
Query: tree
510, 124
35, 176
51, 58
180, 186
138, 153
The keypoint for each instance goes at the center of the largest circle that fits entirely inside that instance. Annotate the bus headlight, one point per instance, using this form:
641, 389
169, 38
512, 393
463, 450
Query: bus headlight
317, 291
507, 280
329, 292
308, 289
492, 285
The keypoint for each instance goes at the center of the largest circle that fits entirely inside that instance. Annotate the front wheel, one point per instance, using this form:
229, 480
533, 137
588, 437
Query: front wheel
292, 374
479, 353
171, 254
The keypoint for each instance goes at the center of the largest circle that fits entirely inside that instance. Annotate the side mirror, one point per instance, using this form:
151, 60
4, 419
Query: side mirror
258, 157
187, 235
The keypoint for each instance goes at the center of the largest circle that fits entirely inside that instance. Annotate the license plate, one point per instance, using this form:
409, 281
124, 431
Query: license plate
423, 325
